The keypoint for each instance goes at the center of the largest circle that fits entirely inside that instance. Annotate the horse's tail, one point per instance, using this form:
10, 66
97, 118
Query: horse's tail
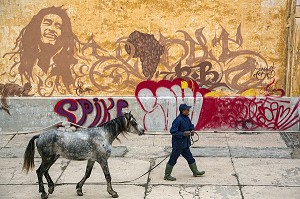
29, 155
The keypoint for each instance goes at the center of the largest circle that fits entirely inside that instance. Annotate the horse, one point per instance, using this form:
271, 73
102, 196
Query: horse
92, 144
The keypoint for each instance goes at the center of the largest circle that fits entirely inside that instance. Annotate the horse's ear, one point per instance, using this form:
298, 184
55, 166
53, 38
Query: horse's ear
126, 115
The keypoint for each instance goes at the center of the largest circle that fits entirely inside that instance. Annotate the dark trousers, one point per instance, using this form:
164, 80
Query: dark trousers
185, 152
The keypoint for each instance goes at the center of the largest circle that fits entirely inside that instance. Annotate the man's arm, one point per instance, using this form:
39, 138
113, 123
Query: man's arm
175, 129
192, 128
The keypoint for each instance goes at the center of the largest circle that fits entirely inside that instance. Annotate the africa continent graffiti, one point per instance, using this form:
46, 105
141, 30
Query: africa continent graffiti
48, 55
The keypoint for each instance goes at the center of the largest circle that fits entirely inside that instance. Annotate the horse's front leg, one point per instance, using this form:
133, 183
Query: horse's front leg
87, 174
104, 166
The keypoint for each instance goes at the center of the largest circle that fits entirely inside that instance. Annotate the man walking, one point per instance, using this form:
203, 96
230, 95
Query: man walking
181, 130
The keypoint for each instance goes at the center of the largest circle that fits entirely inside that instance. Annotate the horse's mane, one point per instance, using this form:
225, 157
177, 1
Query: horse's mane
116, 126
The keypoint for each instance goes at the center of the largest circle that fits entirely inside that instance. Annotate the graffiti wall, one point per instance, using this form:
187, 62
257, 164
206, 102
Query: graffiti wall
99, 106
162, 99
92, 59
295, 56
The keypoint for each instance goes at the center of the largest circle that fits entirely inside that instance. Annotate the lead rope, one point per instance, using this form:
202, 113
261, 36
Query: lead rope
119, 182
126, 181
192, 139
58, 124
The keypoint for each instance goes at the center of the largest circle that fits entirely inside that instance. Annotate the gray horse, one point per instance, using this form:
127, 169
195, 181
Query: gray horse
92, 144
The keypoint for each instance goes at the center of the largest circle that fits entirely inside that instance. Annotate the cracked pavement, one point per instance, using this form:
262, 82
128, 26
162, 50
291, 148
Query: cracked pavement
241, 166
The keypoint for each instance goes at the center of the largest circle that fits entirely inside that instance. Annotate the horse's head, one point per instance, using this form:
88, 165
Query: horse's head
133, 126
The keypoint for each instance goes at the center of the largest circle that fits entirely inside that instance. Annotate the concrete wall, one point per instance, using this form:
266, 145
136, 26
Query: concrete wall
236, 62
156, 113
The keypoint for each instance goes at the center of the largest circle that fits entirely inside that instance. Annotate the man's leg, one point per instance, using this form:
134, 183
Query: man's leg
174, 156
186, 153
172, 161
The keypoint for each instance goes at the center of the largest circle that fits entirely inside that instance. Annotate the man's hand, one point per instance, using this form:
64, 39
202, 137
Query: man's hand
187, 133
192, 132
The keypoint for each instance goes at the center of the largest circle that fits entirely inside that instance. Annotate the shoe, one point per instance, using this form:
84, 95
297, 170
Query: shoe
168, 172
195, 171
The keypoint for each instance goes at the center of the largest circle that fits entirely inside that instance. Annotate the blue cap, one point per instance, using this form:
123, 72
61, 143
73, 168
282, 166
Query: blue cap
184, 107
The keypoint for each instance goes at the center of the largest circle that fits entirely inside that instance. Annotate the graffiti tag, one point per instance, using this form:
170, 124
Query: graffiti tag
98, 110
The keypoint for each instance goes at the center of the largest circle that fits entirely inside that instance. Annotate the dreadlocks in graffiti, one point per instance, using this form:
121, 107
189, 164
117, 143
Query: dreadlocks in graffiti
44, 52
48, 55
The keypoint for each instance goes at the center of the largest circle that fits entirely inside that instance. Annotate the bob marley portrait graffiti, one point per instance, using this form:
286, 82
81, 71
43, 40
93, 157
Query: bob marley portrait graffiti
44, 52
56, 62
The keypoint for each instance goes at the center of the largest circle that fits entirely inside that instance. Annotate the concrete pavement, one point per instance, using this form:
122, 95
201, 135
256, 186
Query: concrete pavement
238, 166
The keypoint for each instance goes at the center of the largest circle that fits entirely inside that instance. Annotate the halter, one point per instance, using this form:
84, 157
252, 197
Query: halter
128, 120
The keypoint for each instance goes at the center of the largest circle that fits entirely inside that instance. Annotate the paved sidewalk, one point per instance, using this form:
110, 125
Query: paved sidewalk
238, 166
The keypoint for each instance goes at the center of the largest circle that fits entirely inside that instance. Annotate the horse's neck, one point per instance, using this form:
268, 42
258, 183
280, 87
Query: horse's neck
110, 136
112, 132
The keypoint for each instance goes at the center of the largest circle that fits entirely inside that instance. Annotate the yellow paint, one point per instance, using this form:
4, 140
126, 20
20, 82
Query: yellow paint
217, 93
295, 81
250, 93
184, 84
262, 23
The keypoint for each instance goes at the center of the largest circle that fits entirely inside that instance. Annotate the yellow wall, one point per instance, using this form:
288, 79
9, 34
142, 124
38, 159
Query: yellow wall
295, 72
256, 32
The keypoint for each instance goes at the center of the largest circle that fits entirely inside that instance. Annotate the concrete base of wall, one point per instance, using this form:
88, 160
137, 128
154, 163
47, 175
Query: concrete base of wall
155, 114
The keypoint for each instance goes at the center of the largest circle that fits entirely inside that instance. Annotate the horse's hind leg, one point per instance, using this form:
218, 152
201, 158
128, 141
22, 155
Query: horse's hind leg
45, 165
50, 182
104, 166
87, 174
40, 172
47, 176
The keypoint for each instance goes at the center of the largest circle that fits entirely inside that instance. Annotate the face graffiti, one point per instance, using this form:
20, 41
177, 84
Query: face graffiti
233, 69
51, 28
46, 45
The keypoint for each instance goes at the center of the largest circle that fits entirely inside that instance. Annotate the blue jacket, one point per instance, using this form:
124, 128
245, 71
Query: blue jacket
179, 126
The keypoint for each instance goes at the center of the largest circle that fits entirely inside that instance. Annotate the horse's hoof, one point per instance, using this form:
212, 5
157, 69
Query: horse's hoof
50, 190
115, 195
44, 195
79, 192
